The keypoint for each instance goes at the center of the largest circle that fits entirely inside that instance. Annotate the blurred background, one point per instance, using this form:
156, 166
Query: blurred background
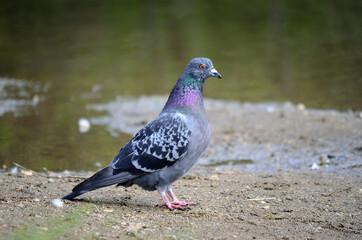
58, 56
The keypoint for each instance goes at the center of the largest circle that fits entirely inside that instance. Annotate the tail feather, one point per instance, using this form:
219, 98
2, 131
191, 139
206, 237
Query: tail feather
103, 178
73, 195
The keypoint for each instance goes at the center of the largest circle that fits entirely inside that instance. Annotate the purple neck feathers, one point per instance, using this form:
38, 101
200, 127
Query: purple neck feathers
185, 97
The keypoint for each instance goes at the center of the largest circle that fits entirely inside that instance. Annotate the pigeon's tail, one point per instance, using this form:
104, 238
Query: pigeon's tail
73, 195
103, 178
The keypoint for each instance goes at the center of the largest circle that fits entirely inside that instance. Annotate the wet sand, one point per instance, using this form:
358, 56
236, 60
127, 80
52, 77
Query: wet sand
298, 177
232, 205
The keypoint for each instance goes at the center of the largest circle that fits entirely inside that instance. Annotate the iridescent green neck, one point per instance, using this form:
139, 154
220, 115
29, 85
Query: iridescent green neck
188, 83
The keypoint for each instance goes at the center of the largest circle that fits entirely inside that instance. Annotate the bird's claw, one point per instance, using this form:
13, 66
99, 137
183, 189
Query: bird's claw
174, 206
183, 203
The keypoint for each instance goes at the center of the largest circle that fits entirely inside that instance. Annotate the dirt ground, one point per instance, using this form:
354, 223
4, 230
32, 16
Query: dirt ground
233, 205
275, 193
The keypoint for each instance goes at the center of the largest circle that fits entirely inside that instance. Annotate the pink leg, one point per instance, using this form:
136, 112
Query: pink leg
176, 201
167, 203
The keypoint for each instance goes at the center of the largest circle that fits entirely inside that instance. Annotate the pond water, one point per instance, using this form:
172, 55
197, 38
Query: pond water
57, 57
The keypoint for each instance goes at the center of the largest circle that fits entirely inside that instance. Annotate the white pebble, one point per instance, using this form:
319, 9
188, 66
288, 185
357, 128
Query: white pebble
14, 171
270, 109
84, 125
314, 166
301, 106
57, 203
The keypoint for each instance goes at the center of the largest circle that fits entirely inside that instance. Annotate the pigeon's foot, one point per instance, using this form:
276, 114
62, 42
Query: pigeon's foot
183, 203
178, 202
178, 205
175, 203
172, 206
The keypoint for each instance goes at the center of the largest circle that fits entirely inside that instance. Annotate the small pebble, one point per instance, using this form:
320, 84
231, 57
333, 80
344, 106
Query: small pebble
133, 227
83, 125
36, 99
14, 171
57, 203
26, 173
301, 106
314, 166
214, 177
270, 109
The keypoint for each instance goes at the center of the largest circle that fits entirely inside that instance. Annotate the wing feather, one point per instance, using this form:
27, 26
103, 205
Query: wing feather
161, 143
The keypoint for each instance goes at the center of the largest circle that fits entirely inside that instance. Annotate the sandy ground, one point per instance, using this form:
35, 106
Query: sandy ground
276, 195
233, 205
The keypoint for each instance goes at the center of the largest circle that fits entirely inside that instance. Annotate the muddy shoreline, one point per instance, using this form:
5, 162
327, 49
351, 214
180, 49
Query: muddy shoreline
258, 137
233, 205
272, 171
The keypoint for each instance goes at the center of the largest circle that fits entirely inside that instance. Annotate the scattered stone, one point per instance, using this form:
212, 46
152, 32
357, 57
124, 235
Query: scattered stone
133, 228
314, 166
270, 109
57, 203
83, 125
14, 171
301, 106
214, 177
26, 172
123, 224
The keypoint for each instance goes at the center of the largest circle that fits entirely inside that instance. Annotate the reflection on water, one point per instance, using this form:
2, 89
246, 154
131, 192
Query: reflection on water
91, 51
17, 96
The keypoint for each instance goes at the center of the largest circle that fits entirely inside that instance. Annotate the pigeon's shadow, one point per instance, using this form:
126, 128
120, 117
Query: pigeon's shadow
121, 202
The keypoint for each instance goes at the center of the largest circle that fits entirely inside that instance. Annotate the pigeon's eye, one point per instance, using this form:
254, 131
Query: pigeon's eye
201, 66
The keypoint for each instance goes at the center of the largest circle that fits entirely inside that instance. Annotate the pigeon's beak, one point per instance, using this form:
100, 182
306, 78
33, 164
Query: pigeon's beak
214, 73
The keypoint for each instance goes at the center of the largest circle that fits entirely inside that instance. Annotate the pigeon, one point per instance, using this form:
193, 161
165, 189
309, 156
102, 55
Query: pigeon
167, 147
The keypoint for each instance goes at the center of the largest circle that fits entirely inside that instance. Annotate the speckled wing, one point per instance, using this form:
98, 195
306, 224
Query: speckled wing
161, 143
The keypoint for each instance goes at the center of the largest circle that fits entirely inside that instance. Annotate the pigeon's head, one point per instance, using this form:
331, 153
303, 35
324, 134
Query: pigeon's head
200, 69
189, 88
